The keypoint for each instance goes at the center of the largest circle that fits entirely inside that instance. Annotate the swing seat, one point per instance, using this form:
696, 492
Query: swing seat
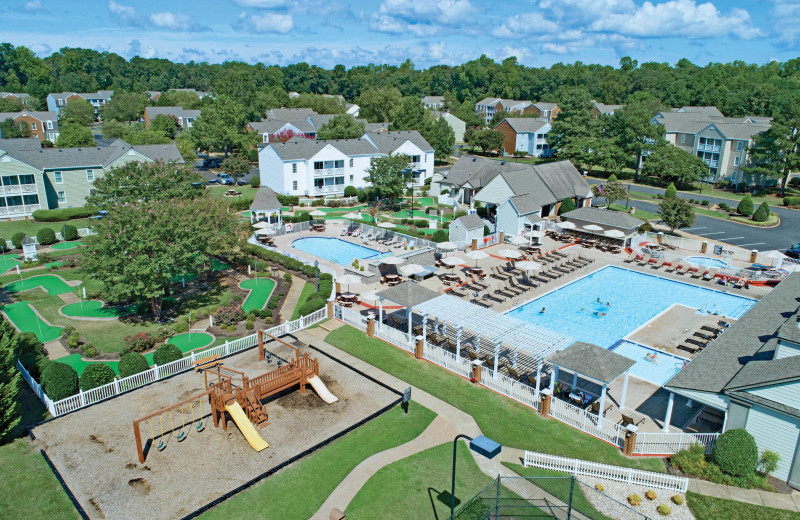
181, 436
200, 426
161, 446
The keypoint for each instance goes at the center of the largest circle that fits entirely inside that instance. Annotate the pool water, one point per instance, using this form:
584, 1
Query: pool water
706, 261
658, 370
633, 298
335, 250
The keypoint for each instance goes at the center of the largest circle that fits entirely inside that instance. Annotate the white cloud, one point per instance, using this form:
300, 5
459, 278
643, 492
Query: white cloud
786, 22
175, 21
421, 17
135, 49
525, 24
260, 4
683, 18
124, 15
557, 48
32, 6
265, 23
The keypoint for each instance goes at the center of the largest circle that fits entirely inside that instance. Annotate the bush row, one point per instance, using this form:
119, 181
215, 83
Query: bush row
60, 215
791, 201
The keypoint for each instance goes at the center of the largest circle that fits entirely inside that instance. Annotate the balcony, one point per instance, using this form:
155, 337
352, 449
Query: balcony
708, 148
327, 190
18, 211
18, 189
329, 172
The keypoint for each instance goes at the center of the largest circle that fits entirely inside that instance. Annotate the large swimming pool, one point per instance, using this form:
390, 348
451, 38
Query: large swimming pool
652, 365
335, 250
605, 306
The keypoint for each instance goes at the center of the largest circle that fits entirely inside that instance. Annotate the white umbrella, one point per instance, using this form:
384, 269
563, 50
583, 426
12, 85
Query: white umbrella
527, 265
371, 296
386, 225
613, 233
566, 225
477, 255
317, 213
348, 280
392, 260
412, 269
533, 234
452, 261
592, 227
509, 253
446, 246
265, 232
352, 215
262, 225
517, 240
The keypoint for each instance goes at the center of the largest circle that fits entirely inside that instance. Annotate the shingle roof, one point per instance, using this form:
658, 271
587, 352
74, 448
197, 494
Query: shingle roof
159, 152
97, 156
388, 142
408, 294
290, 114
524, 124
40, 115
20, 143
301, 148
433, 100
606, 109
270, 126
21, 95
525, 204
765, 373
563, 179
695, 121
708, 110
604, 217
171, 111
265, 200
790, 330
478, 171
592, 361
546, 106
471, 221
750, 339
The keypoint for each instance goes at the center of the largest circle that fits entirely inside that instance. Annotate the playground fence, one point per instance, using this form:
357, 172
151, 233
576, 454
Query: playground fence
155, 373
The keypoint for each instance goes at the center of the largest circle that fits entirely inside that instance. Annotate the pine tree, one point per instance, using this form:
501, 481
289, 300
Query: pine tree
671, 192
566, 205
745, 206
762, 213
10, 381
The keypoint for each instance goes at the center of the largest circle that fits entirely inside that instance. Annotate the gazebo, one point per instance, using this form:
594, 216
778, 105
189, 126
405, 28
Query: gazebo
407, 294
595, 363
266, 205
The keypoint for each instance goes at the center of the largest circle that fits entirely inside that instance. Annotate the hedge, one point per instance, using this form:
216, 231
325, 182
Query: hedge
736, 453
350, 191
69, 232
167, 354
59, 381
311, 306
288, 200
16, 239
240, 203
252, 155
132, 363
791, 201
30, 354
60, 215
96, 374
46, 236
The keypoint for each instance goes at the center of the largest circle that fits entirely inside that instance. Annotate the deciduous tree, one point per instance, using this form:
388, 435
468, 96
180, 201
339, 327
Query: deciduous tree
389, 174
485, 139
236, 166
11, 129
125, 106
441, 137
77, 111
676, 213
671, 164
776, 152
342, 126
221, 125
166, 125
10, 381
143, 182
378, 104
73, 135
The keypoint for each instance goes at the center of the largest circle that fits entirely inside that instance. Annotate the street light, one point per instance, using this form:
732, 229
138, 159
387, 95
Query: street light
482, 445
316, 271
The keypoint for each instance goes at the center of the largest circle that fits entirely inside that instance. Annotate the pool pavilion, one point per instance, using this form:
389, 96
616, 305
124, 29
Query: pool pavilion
266, 207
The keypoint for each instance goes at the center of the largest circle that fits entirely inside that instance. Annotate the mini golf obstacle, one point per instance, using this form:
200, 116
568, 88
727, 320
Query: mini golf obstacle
231, 391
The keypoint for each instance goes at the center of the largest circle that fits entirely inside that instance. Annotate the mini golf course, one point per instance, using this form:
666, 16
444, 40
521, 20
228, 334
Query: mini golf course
216, 265
8, 262
260, 289
95, 309
54, 285
419, 214
26, 320
66, 245
191, 340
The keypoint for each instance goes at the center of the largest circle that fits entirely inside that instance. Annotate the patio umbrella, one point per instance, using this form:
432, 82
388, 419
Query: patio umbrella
386, 225
592, 227
352, 215
446, 246
533, 234
777, 255
527, 265
509, 253
412, 269
392, 260
517, 240
370, 296
452, 261
262, 225
613, 233
477, 255
265, 232
566, 225
348, 280
317, 213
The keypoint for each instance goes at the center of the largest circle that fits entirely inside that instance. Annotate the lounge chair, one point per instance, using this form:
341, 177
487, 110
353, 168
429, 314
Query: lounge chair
704, 336
356, 233
513, 373
681, 269
710, 275
713, 330
595, 408
412, 244
471, 354
631, 257
397, 323
698, 273
504, 294
741, 283
690, 350
658, 263
701, 344
531, 380
626, 420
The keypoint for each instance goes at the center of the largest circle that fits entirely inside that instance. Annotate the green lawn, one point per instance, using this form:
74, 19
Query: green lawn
8, 261
300, 489
419, 487
640, 213
96, 309
50, 283
500, 418
419, 215
308, 290
22, 316
66, 245
8, 229
710, 508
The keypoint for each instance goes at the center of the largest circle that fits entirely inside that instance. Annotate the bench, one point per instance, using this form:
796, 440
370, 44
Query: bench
210, 361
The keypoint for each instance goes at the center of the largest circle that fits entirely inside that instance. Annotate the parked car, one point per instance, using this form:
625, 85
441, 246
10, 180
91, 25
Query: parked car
794, 251
212, 162
224, 178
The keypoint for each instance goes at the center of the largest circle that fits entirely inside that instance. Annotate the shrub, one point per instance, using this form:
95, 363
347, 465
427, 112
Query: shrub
16, 239
288, 200
69, 232
46, 236
791, 201
255, 182
677, 500
60, 215
646, 227
440, 235
762, 213
229, 315
240, 203
634, 500
600, 487
663, 510
252, 155
745, 206
704, 202
250, 325
237, 297
287, 278
30, 354
89, 350
166, 353
132, 363
59, 381
74, 340
486, 230
350, 191
96, 374
181, 325
736, 453
140, 342
723, 206
566, 205
68, 331
3, 245
268, 320
310, 306
231, 328
769, 462
650, 494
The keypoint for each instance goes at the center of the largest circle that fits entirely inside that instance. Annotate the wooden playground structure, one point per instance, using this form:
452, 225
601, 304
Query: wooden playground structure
231, 391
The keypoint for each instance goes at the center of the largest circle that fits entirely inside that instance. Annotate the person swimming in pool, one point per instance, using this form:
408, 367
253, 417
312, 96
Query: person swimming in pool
541, 311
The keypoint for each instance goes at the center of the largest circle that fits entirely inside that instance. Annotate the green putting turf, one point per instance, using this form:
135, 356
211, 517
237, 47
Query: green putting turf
191, 340
75, 361
417, 214
8, 262
21, 314
50, 283
260, 288
95, 309
65, 245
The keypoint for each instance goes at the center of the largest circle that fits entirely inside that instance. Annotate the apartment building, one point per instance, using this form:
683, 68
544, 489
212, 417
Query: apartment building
525, 134
185, 118
488, 107
99, 99
43, 125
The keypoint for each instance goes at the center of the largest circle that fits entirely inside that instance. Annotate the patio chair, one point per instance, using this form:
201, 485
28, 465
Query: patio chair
690, 350
397, 323
531, 380
626, 420
701, 344
702, 335
595, 409
713, 330
513, 373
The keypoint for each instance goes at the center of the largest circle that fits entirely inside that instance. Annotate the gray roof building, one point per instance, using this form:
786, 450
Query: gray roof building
592, 362
290, 114
471, 221
604, 217
265, 200
525, 124
388, 142
301, 148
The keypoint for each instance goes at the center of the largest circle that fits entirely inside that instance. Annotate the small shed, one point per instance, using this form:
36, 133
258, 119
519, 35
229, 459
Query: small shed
466, 229
29, 248
266, 206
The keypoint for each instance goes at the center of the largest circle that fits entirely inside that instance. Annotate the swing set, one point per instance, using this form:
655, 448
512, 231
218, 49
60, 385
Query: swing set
191, 407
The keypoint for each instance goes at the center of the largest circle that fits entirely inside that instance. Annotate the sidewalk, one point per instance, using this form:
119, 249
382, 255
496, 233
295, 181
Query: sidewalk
758, 497
292, 298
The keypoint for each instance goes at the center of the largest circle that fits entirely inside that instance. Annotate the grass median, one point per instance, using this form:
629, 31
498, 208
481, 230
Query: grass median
500, 418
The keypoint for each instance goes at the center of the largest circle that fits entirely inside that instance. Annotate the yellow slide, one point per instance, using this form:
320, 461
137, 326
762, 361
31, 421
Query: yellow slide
246, 427
322, 390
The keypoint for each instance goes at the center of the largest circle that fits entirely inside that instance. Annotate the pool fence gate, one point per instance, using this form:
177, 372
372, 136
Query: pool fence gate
625, 438
157, 372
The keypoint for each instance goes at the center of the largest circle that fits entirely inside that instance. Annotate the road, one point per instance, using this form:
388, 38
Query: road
740, 235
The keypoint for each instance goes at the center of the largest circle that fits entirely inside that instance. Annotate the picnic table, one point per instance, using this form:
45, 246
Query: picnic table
393, 279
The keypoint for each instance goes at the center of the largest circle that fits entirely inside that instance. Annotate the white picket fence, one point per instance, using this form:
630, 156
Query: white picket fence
584, 468
395, 337
509, 387
587, 422
670, 443
118, 386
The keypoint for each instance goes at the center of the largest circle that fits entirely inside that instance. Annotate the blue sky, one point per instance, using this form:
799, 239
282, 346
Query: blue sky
429, 32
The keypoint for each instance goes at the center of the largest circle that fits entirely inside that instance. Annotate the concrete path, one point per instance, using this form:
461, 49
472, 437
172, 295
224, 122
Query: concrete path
751, 496
69, 298
292, 298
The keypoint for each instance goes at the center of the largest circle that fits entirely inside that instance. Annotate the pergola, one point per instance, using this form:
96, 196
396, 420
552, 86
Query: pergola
497, 328
266, 205
595, 363
407, 294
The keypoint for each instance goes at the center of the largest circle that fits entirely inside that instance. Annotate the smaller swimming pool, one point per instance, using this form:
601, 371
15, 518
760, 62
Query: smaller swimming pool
707, 261
657, 371
335, 250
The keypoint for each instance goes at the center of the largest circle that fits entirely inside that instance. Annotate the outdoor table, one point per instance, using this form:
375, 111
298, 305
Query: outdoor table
348, 296
476, 271
449, 278
578, 399
392, 279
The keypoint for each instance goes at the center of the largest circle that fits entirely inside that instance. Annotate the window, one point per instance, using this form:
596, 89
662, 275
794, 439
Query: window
33, 126
294, 168
740, 146
60, 102
49, 125
26, 179
319, 165
30, 199
351, 178
736, 161
351, 162
338, 164
683, 138
540, 136
58, 178
294, 185
415, 159
62, 197
90, 175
